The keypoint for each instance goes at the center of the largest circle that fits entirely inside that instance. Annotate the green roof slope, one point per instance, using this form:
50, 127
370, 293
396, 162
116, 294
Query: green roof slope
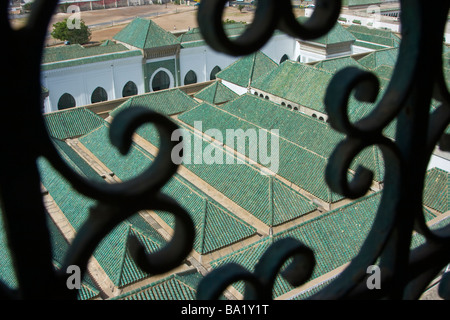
75, 55
347, 3
378, 36
173, 287
57, 54
336, 64
75, 161
436, 190
303, 131
167, 102
301, 166
206, 219
337, 34
112, 251
216, 93
60, 246
247, 69
71, 123
307, 85
145, 34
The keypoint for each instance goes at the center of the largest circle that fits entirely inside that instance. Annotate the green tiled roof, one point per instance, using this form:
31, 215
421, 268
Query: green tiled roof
167, 102
173, 287
57, 54
335, 237
384, 72
337, 34
297, 164
336, 64
189, 196
386, 57
243, 184
307, 85
436, 191
7, 272
74, 205
247, 69
303, 131
193, 37
216, 93
74, 55
145, 34
71, 123
208, 216
112, 251
378, 36
75, 161
346, 3
60, 247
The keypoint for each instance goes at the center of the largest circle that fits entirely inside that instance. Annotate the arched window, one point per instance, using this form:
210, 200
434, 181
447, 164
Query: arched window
66, 101
314, 115
296, 108
261, 95
256, 93
321, 118
284, 58
161, 81
283, 104
190, 78
130, 89
289, 106
298, 58
267, 97
214, 71
99, 95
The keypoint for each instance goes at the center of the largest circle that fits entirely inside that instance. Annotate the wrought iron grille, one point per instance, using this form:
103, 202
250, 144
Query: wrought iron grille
417, 79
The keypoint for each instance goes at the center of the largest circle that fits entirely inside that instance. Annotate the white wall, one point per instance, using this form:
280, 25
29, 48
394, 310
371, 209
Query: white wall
202, 60
81, 81
279, 45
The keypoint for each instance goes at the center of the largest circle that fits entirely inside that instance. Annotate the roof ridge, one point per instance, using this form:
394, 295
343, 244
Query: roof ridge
203, 225
125, 252
252, 69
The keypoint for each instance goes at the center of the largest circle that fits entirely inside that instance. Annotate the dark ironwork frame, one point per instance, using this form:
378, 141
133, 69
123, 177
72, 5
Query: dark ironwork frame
417, 79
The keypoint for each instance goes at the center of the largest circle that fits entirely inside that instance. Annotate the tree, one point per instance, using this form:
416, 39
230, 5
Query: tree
240, 7
75, 32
